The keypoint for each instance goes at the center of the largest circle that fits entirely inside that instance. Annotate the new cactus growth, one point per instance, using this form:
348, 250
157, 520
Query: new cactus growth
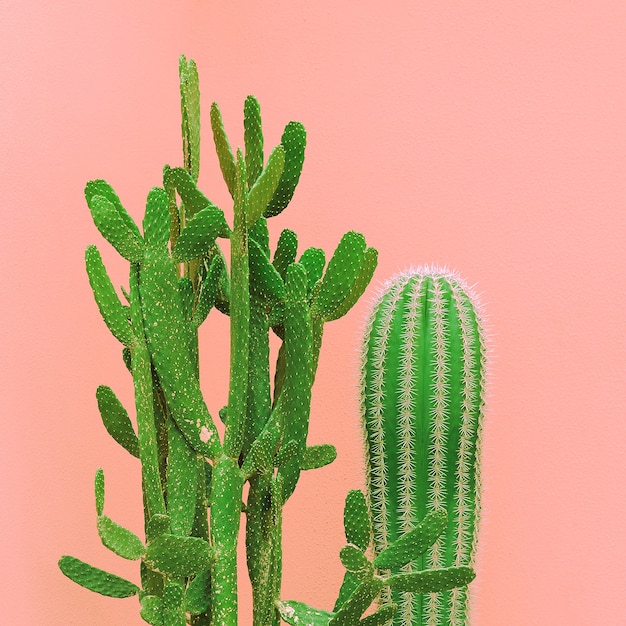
422, 397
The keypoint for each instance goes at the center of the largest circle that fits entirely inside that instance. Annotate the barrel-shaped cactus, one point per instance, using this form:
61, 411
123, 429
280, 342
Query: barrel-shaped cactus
422, 398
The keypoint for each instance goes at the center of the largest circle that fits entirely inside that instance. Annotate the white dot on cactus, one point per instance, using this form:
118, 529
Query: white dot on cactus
205, 435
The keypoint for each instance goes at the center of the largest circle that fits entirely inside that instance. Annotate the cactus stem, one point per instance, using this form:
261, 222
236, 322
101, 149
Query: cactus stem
423, 385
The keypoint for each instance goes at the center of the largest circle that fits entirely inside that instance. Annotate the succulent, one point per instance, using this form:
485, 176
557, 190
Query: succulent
422, 398
367, 579
193, 479
177, 276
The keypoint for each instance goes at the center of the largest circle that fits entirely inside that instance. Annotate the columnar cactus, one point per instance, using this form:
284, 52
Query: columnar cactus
422, 398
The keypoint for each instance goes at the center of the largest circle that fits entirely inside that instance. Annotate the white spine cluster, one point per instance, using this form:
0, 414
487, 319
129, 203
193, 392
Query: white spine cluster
439, 429
407, 399
464, 464
375, 417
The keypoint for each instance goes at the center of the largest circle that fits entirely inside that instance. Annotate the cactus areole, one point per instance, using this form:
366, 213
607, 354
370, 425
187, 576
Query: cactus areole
422, 400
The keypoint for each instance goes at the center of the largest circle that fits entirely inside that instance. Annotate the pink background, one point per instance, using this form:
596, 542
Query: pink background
489, 136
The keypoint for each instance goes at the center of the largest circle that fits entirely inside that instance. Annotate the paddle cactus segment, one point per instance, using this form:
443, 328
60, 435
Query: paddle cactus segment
422, 398
190, 114
95, 579
363, 584
192, 476
253, 138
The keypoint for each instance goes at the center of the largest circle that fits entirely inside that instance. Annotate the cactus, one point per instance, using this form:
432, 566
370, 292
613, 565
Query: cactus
177, 276
362, 583
422, 399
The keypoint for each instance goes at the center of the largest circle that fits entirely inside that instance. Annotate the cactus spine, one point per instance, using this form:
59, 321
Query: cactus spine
422, 399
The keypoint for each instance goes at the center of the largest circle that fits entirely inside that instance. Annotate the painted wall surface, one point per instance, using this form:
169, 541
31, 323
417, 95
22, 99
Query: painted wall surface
489, 136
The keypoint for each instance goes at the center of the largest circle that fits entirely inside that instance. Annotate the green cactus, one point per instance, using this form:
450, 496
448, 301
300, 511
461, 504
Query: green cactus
193, 479
177, 276
96, 579
422, 398
363, 584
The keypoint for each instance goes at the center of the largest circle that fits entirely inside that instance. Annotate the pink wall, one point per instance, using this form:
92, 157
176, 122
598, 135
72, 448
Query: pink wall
486, 135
